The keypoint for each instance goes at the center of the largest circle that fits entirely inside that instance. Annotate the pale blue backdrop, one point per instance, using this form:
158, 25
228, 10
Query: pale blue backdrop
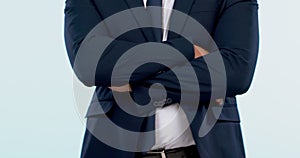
37, 109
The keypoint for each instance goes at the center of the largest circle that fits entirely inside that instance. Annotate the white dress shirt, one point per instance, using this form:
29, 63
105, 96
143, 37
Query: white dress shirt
171, 125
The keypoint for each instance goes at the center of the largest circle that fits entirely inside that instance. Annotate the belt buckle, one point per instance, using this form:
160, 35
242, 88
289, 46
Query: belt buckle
162, 153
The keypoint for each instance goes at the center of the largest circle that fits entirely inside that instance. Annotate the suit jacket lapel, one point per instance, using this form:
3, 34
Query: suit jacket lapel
177, 21
180, 5
134, 3
148, 34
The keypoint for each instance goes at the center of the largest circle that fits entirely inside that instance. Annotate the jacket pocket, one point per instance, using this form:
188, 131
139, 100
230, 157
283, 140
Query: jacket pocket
227, 114
229, 111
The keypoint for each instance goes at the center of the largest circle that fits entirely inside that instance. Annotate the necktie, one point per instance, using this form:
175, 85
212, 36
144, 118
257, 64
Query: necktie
156, 16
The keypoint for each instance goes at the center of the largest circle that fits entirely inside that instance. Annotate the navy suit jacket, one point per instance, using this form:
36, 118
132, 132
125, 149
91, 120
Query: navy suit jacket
233, 24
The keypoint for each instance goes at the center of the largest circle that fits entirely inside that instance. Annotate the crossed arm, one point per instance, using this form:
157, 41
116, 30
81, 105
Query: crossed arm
236, 35
199, 52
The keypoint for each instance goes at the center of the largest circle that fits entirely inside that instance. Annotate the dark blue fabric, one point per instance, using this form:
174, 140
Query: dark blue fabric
154, 3
233, 24
156, 16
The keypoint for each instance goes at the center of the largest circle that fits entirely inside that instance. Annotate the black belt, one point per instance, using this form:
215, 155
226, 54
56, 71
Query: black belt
187, 152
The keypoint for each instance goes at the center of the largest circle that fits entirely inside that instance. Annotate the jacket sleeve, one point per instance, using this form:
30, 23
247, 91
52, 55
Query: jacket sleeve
237, 37
81, 16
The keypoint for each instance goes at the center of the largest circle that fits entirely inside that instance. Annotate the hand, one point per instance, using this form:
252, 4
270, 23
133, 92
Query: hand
125, 88
220, 102
199, 52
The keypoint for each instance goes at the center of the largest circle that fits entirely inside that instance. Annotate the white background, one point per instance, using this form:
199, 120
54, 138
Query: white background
37, 111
